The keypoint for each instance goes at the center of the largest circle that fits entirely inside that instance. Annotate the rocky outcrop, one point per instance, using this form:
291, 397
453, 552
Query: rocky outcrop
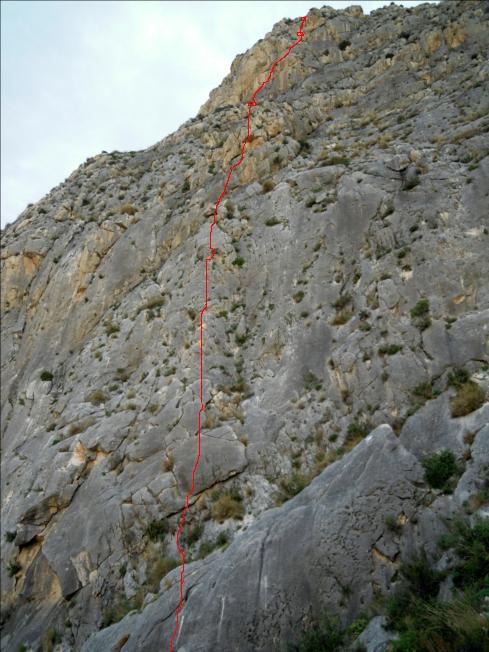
348, 291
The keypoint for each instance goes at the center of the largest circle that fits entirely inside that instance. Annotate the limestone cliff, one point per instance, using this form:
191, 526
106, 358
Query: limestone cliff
349, 295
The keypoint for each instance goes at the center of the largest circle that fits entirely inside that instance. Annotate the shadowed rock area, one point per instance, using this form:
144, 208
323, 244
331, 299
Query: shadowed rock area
346, 350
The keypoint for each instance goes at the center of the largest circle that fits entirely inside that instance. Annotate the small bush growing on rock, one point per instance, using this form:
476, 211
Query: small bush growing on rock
298, 296
325, 636
389, 349
209, 546
239, 261
291, 486
153, 302
13, 568
46, 375
194, 534
157, 530
168, 463
157, 570
268, 185
424, 391
420, 309
342, 301
439, 468
76, 429
117, 611
304, 146
186, 186
344, 44
470, 396
458, 378
454, 625
128, 209
50, 639
205, 549
96, 397
342, 317
356, 431
423, 580
357, 626
311, 381
122, 374
420, 314
392, 524
335, 160
229, 505
472, 547
111, 328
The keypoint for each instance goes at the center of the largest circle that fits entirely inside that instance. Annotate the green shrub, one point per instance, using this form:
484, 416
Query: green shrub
157, 570
46, 375
205, 549
111, 328
392, 524
457, 625
470, 396
209, 546
291, 486
342, 317
421, 308
336, 160
311, 381
153, 302
77, 428
357, 626
13, 568
122, 374
389, 349
344, 44
186, 186
194, 534
458, 378
222, 539
424, 391
472, 547
128, 209
239, 261
326, 636
357, 430
120, 609
298, 296
342, 301
304, 145
424, 582
268, 185
272, 222
50, 639
229, 505
157, 530
439, 468
96, 397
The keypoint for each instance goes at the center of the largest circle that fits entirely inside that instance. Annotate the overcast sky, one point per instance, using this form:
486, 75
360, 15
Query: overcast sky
80, 77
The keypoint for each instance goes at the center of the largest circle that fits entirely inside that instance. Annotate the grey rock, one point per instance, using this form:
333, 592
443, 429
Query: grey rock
102, 285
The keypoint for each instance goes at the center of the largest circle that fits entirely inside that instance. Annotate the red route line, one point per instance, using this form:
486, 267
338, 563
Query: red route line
251, 104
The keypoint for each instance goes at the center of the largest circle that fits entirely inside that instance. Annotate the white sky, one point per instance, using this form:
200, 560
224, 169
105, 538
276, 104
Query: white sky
80, 77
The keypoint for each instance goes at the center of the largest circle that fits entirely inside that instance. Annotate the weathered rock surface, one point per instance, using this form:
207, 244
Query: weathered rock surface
350, 281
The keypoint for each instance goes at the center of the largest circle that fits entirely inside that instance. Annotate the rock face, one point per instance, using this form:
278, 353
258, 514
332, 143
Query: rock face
348, 290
